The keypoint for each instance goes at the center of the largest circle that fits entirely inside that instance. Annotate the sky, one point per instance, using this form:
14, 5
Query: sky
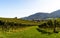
24, 8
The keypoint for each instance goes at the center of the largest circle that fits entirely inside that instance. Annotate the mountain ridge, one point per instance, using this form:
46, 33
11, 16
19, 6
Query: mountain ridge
42, 15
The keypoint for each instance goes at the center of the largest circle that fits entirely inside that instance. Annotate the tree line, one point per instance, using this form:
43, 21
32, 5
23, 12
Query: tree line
5, 25
50, 24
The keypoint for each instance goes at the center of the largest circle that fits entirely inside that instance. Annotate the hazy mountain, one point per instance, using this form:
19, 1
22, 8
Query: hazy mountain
55, 14
40, 15
37, 16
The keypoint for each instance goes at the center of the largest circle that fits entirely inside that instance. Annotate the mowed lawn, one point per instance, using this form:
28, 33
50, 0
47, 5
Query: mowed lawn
29, 33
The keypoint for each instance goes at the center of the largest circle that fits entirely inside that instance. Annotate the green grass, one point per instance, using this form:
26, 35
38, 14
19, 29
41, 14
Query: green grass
29, 33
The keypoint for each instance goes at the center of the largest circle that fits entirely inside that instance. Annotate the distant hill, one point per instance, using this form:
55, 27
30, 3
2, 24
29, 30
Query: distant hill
37, 16
55, 14
41, 15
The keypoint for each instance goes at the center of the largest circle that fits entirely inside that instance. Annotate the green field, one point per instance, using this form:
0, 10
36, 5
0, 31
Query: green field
29, 33
29, 29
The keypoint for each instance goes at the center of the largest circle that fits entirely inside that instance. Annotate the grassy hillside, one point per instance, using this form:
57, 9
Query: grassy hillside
19, 21
7, 24
18, 28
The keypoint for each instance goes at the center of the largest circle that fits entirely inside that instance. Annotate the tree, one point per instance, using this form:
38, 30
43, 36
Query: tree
15, 17
50, 23
55, 23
